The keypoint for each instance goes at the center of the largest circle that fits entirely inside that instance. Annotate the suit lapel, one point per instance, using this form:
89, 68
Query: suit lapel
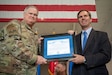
79, 46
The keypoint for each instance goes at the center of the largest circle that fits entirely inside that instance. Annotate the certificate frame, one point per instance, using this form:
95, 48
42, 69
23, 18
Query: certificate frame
50, 44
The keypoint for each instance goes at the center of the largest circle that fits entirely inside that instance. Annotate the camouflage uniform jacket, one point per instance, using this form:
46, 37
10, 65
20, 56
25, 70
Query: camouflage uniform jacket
18, 53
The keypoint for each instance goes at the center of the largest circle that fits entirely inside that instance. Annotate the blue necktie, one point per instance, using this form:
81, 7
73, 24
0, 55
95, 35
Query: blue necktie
84, 39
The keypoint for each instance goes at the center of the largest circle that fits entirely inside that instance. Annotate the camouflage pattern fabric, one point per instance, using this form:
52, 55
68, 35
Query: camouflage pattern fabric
18, 49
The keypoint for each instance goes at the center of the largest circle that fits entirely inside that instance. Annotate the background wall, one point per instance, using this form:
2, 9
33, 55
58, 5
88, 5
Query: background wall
104, 13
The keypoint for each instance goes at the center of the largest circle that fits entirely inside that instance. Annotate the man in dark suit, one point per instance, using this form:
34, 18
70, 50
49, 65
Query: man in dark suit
97, 52
90, 59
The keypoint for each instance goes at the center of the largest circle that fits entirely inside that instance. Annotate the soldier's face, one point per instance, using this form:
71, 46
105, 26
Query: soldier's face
30, 16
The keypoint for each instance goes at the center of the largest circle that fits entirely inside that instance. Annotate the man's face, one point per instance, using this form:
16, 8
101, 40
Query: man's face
30, 16
84, 19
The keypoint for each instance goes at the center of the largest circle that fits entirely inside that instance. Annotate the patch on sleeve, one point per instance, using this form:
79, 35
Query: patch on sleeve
12, 30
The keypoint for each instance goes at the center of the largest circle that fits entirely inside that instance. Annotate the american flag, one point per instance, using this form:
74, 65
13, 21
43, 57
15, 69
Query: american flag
49, 10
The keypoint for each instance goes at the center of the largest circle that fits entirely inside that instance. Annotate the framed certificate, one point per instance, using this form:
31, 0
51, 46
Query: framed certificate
58, 46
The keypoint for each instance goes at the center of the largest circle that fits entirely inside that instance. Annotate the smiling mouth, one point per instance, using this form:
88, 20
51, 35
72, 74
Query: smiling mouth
84, 21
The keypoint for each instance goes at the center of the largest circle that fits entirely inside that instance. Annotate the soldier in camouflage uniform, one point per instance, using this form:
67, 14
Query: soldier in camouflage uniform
18, 46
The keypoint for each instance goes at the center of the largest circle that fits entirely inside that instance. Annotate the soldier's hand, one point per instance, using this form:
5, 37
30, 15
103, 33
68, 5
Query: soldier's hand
40, 39
41, 60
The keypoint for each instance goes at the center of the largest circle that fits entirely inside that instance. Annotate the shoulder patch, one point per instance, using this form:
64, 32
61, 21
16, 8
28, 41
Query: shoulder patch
12, 27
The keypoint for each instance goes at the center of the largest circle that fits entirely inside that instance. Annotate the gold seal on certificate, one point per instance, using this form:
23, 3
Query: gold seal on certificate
58, 46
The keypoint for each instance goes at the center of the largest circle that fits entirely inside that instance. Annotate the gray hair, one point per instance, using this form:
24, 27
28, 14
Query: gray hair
29, 6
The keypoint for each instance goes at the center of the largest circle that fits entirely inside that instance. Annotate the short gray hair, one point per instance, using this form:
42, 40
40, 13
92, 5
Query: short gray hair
29, 6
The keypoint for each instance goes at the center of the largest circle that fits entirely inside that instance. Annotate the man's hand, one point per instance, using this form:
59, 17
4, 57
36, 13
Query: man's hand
41, 60
40, 39
78, 59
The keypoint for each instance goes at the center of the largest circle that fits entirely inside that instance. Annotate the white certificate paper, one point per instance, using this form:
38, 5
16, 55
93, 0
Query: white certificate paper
57, 47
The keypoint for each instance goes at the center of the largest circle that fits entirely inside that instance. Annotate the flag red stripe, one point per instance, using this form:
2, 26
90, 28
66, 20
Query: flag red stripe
48, 20
49, 7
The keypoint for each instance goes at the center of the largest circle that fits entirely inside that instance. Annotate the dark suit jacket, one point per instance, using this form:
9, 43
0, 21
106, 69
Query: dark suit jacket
97, 53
